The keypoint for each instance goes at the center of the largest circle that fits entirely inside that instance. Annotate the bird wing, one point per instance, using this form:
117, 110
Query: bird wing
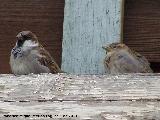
127, 62
45, 59
143, 61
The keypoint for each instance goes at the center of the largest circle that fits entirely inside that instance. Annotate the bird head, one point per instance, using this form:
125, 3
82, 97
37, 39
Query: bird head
26, 38
114, 46
26, 41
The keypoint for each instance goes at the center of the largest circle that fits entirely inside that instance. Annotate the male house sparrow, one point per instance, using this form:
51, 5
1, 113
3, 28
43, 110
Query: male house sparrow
121, 59
29, 56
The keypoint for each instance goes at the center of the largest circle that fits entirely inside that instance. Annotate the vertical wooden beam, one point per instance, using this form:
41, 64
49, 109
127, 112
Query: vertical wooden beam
88, 25
122, 19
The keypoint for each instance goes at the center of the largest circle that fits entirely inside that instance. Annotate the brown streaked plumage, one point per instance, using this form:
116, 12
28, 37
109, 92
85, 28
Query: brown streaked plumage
29, 56
121, 59
48, 61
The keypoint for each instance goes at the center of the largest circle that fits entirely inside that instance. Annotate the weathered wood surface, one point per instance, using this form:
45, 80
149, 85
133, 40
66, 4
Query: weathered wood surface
120, 97
88, 25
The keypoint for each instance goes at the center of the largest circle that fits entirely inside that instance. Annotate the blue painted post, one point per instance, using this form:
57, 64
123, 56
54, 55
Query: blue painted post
88, 25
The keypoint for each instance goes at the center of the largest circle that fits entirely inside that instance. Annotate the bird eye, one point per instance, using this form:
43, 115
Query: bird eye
25, 37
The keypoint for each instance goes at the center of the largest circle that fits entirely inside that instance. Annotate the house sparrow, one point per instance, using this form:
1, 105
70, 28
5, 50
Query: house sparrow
121, 59
29, 56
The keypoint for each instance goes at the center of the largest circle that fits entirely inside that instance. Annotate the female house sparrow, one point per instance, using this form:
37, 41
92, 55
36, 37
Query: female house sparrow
121, 59
29, 56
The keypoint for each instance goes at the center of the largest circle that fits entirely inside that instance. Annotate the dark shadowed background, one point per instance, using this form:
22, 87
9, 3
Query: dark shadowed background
142, 29
43, 17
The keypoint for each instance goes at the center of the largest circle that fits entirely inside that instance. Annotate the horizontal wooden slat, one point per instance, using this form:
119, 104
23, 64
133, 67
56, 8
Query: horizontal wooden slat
121, 97
84, 87
141, 27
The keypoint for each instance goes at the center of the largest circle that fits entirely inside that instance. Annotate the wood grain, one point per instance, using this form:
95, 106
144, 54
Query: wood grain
88, 25
141, 27
90, 97
44, 18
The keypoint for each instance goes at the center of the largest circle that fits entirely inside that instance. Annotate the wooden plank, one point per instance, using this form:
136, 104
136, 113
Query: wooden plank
90, 97
122, 20
141, 27
88, 25
44, 18
72, 87
82, 110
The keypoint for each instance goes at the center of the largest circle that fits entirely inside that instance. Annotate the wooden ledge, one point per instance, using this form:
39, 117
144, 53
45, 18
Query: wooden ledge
91, 97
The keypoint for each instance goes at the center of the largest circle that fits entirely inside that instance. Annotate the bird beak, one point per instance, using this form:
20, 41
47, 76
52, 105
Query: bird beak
106, 48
